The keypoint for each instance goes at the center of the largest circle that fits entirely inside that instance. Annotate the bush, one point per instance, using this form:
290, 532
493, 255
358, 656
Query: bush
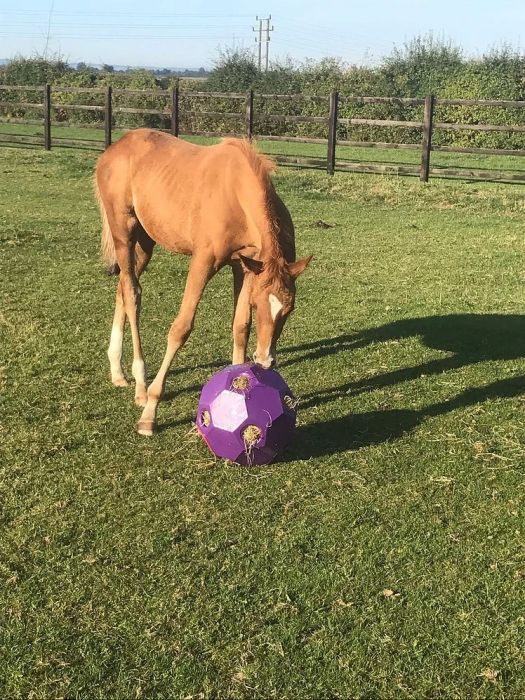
33, 71
422, 66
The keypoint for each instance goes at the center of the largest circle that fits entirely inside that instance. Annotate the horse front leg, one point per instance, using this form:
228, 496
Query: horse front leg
200, 272
242, 315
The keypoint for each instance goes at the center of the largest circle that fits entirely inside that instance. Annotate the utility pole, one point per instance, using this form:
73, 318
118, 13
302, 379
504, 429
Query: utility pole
259, 40
268, 30
48, 28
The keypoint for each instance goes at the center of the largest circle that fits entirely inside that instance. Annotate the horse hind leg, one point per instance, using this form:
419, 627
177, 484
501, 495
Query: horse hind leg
140, 256
115, 342
143, 252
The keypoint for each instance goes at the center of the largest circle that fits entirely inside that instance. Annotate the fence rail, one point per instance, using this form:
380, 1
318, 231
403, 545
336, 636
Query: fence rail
251, 121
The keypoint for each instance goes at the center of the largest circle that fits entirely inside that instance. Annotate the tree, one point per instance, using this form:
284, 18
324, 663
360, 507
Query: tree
235, 69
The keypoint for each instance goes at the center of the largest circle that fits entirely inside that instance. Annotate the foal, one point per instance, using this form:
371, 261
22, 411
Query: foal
215, 203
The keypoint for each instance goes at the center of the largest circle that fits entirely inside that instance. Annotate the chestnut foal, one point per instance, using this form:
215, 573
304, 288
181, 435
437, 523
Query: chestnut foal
215, 203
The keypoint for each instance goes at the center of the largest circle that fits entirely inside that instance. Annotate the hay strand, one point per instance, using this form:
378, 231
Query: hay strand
251, 436
290, 403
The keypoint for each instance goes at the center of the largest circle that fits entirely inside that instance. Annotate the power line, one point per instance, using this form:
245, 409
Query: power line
75, 13
120, 25
337, 31
127, 37
300, 36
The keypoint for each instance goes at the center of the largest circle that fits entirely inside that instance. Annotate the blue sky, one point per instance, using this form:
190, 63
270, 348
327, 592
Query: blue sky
180, 34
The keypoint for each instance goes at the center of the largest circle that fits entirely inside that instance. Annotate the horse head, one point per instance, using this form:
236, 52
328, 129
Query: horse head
272, 298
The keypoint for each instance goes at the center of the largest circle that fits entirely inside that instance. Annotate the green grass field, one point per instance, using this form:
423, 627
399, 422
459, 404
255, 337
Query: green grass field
382, 557
400, 157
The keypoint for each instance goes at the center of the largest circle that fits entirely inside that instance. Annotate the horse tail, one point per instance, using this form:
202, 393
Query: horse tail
107, 246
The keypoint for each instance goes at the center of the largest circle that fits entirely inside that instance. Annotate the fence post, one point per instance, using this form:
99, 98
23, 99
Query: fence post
249, 114
332, 132
175, 110
426, 143
108, 116
47, 117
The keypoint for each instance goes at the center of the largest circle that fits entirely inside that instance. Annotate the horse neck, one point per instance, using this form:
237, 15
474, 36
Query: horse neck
277, 244
272, 251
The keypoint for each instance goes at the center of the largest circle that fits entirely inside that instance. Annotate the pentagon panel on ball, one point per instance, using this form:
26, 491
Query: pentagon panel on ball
247, 414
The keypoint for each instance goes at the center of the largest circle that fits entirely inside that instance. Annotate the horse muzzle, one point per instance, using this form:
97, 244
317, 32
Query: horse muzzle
268, 362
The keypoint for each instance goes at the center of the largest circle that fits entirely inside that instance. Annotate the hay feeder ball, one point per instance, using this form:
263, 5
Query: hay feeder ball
247, 414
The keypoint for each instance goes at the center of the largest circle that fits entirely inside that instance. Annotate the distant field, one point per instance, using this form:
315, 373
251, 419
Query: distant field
344, 153
382, 557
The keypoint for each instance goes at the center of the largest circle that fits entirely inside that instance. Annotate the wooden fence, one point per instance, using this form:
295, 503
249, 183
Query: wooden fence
246, 119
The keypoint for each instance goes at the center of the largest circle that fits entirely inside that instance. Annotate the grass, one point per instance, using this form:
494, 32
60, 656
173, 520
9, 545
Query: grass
383, 556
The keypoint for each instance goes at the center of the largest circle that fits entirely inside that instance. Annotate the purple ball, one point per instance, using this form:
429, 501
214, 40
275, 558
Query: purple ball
247, 414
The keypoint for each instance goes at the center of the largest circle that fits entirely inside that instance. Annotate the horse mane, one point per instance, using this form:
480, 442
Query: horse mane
263, 166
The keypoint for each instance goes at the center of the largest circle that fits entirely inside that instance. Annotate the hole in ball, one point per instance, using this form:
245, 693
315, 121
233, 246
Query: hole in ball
251, 435
241, 383
205, 418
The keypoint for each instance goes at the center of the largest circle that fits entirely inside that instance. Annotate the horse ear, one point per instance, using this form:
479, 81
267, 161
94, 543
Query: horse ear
251, 265
297, 268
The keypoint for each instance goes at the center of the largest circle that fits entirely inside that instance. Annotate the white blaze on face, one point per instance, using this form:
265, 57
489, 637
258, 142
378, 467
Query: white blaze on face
275, 306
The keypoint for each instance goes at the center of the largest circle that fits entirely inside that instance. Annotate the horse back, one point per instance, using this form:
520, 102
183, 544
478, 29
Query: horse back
187, 196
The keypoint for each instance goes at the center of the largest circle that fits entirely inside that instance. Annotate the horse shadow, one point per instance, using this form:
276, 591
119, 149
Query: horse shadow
468, 338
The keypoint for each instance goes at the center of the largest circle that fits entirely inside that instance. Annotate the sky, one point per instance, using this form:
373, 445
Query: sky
188, 35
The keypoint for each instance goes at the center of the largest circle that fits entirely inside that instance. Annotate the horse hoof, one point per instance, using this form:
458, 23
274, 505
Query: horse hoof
122, 381
141, 401
146, 427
